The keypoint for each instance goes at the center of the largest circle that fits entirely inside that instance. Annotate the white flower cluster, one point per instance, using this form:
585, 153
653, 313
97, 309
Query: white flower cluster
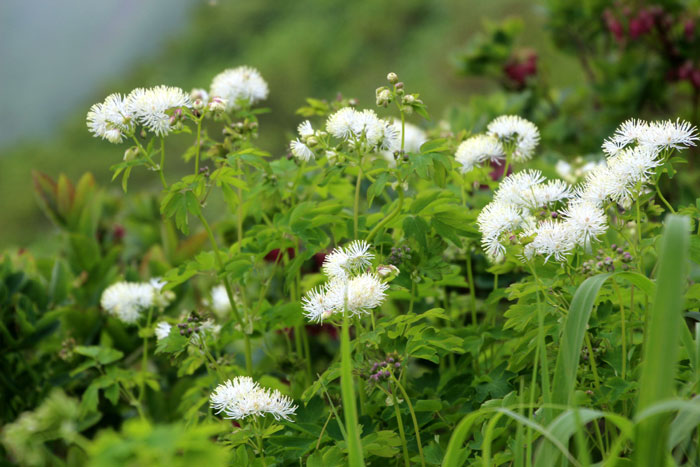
364, 128
349, 285
154, 108
634, 152
513, 215
237, 87
242, 397
414, 137
127, 300
507, 133
308, 137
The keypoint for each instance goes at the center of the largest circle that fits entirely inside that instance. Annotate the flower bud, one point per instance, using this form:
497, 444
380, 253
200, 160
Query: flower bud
387, 271
392, 78
198, 104
131, 153
217, 105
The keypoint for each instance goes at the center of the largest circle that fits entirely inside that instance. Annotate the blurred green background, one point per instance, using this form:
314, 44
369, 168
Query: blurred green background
58, 58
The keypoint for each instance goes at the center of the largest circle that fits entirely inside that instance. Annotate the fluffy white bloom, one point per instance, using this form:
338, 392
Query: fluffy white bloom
301, 151
305, 129
551, 239
342, 262
585, 221
391, 138
162, 330
127, 300
495, 219
241, 85
151, 106
513, 130
414, 138
109, 119
219, 301
628, 133
512, 188
544, 194
343, 123
365, 292
242, 397
478, 149
669, 135
318, 304
630, 167
599, 185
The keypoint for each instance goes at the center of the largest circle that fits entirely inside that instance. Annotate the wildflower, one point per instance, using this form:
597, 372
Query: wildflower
200, 95
242, 397
305, 129
151, 107
343, 123
551, 238
495, 219
544, 194
301, 151
364, 293
241, 86
127, 300
669, 135
629, 168
518, 133
629, 132
585, 221
319, 305
162, 330
217, 105
599, 184
478, 149
110, 119
341, 262
515, 187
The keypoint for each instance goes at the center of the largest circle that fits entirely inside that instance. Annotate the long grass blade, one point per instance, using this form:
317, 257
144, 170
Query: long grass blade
347, 390
661, 342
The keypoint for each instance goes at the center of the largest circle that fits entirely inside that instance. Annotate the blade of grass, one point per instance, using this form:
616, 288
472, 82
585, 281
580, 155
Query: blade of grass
661, 342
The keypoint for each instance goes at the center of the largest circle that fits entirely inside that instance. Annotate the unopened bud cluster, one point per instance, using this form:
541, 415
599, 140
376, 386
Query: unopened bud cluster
399, 255
608, 261
191, 326
382, 370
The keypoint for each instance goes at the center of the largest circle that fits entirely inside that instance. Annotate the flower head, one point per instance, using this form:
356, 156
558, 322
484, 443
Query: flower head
153, 107
162, 330
301, 151
110, 119
242, 397
219, 301
585, 221
522, 135
477, 150
669, 135
342, 262
551, 238
239, 86
127, 300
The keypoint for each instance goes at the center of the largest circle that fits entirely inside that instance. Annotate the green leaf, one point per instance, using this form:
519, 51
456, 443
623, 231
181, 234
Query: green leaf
657, 381
102, 355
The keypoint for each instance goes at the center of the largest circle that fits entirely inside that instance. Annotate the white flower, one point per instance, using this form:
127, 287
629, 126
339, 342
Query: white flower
631, 167
365, 292
513, 187
109, 119
478, 149
552, 239
585, 221
241, 85
127, 300
544, 194
600, 183
391, 137
318, 305
513, 130
343, 123
242, 397
495, 219
628, 133
342, 262
301, 151
151, 106
414, 138
669, 135
305, 129
162, 330
565, 170
218, 105
220, 303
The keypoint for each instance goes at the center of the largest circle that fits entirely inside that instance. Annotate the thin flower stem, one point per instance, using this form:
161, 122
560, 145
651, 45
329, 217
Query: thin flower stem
533, 386
661, 197
144, 360
639, 237
413, 297
239, 220
348, 394
323, 430
258, 437
470, 279
399, 422
591, 359
356, 209
389, 216
196, 154
416, 428
162, 162
229, 293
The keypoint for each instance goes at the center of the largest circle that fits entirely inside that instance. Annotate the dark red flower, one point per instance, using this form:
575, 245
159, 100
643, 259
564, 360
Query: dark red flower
274, 255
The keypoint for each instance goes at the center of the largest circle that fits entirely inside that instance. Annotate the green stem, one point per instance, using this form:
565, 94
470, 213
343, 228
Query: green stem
402, 431
591, 359
162, 162
229, 293
413, 297
389, 217
347, 390
196, 154
356, 210
661, 197
239, 220
416, 428
470, 279
541, 342
623, 328
144, 360
639, 237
